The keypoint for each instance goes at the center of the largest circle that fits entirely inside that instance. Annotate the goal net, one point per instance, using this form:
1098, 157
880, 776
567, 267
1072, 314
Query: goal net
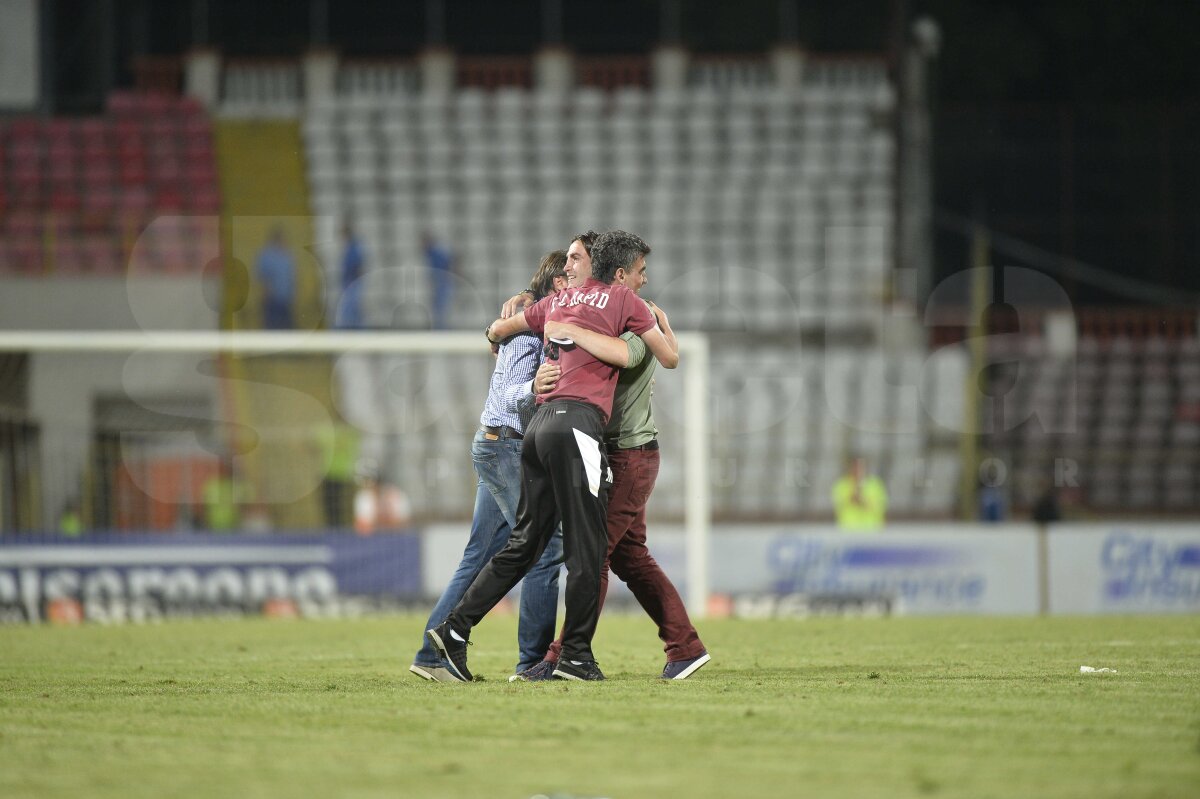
211, 433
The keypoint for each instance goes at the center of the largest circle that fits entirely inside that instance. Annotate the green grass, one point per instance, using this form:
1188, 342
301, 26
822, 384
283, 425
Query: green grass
820, 708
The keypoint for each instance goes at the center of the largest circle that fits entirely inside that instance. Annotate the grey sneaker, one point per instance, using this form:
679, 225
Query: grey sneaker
682, 669
535, 673
453, 651
584, 670
432, 673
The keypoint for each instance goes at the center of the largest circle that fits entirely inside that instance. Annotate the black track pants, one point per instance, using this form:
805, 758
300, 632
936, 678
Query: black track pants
564, 477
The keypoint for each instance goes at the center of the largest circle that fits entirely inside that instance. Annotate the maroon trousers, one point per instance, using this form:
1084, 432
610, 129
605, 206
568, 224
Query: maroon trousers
634, 472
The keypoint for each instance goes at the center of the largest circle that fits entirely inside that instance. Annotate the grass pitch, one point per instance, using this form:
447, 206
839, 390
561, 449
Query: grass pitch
822, 708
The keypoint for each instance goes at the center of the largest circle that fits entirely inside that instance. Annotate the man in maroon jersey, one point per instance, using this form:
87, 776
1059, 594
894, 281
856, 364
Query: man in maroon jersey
564, 468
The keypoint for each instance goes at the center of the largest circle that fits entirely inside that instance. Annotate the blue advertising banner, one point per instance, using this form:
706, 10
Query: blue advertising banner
142, 577
1125, 568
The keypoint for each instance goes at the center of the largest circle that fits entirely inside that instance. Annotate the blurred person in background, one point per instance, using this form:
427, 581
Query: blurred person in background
1046, 508
441, 276
223, 497
378, 505
496, 457
276, 272
339, 446
859, 498
70, 521
993, 502
349, 315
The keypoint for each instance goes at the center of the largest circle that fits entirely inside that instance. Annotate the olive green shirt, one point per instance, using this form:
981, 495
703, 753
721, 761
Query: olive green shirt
632, 423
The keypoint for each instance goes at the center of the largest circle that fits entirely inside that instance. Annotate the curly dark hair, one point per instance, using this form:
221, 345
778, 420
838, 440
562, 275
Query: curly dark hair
551, 267
615, 250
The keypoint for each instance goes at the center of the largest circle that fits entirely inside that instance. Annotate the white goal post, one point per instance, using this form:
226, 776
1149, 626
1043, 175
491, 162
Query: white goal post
694, 364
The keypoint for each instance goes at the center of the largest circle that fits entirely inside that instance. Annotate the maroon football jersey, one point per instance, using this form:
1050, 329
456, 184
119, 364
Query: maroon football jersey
610, 310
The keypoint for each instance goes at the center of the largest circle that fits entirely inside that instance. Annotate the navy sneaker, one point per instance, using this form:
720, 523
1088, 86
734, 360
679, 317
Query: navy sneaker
584, 670
682, 669
452, 650
535, 673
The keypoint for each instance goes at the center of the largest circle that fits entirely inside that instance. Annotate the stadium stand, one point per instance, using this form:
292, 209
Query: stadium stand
793, 188
76, 194
1122, 415
769, 210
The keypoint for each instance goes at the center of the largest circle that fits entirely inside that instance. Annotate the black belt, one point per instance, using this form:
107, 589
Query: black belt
503, 431
649, 446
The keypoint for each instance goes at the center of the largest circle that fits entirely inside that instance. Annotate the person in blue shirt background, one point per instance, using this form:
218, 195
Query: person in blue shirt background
276, 272
354, 264
993, 502
441, 275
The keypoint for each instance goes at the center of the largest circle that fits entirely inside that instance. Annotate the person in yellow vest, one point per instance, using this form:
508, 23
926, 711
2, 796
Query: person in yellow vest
339, 444
859, 499
223, 497
70, 523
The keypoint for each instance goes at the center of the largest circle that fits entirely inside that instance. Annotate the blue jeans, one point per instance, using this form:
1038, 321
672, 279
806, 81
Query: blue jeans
498, 465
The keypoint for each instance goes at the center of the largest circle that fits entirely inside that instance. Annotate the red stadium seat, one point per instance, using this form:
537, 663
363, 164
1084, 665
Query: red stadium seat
24, 152
103, 255
201, 175
59, 132
65, 201
62, 225
205, 202
169, 199
122, 104
25, 130
68, 257
24, 223
92, 128
99, 175
84, 190
26, 256
133, 173
60, 152
174, 259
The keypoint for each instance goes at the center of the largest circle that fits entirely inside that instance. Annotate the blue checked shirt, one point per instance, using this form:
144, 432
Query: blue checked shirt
510, 399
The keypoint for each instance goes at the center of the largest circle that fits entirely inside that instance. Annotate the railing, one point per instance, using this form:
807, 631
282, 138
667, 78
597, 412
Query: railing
158, 74
494, 72
613, 73
730, 71
950, 325
378, 77
262, 82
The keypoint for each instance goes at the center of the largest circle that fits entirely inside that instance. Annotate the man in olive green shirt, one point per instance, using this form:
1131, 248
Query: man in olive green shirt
632, 444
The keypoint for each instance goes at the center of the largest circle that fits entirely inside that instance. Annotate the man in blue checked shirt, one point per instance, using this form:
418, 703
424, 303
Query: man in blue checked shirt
496, 455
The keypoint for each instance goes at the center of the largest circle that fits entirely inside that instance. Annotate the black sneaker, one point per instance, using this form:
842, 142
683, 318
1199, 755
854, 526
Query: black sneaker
586, 670
453, 650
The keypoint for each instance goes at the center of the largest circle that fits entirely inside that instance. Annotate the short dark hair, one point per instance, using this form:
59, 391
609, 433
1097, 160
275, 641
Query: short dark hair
551, 267
586, 239
615, 250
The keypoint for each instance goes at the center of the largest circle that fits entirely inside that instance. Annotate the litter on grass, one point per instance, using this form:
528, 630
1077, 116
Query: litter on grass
1091, 670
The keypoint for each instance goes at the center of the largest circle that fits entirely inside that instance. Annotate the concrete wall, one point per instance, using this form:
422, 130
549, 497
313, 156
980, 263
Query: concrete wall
106, 303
